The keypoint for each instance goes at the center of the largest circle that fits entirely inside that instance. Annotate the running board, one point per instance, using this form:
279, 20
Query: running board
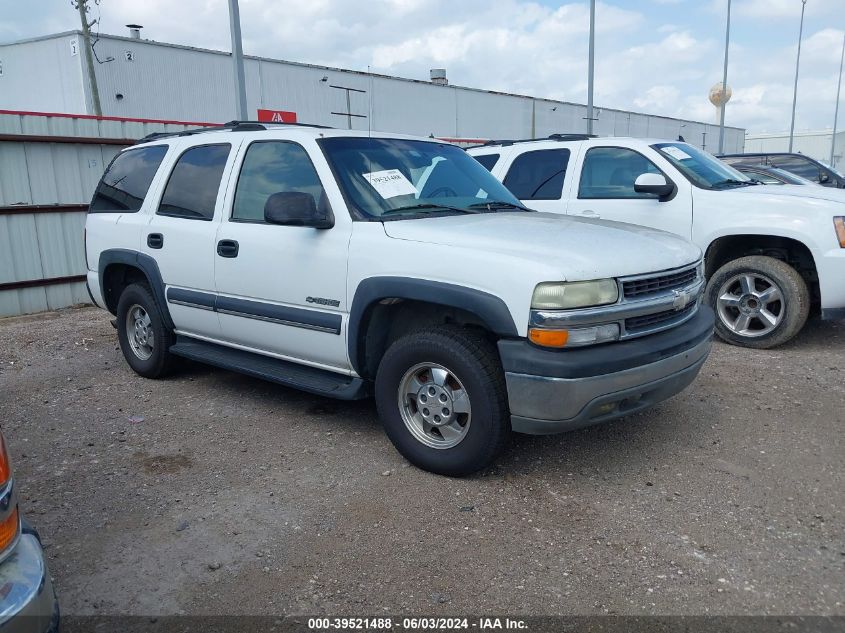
311, 379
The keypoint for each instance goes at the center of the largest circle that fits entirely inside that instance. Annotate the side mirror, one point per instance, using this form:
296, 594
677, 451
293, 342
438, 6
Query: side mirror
654, 184
296, 208
823, 177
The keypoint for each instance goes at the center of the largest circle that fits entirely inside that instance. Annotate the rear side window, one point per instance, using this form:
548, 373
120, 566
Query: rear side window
538, 175
488, 160
191, 192
127, 180
274, 167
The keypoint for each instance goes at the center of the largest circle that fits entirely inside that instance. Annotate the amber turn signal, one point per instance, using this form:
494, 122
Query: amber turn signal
839, 223
9, 529
548, 338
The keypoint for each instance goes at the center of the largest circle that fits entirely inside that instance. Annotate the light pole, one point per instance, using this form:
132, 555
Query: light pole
836, 111
724, 83
797, 63
238, 58
591, 66
82, 7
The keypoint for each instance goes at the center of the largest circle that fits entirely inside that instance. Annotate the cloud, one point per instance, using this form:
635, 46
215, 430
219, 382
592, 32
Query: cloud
783, 9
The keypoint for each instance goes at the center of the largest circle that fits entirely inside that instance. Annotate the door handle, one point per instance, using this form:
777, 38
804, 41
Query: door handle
227, 248
588, 213
155, 240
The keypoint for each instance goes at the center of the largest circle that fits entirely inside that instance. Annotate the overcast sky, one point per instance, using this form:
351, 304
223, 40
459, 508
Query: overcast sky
655, 56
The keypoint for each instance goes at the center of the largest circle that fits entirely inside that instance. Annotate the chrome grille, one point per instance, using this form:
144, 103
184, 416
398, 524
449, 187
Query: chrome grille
649, 286
636, 325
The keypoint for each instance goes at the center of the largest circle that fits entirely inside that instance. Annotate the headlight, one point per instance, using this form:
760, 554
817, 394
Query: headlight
576, 294
839, 223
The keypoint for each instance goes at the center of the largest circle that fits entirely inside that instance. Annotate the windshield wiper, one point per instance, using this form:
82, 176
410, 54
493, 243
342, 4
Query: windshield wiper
733, 182
428, 205
498, 204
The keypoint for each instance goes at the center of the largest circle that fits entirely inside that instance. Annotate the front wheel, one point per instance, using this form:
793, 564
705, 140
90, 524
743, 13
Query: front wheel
760, 302
442, 399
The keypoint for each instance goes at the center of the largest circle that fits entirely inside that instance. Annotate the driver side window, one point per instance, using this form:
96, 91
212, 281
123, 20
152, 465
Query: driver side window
610, 172
274, 167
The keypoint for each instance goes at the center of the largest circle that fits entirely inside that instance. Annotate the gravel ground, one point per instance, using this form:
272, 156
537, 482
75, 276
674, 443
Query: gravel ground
215, 493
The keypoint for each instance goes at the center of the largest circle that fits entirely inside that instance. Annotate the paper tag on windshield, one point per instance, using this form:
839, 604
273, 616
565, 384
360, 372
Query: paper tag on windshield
675, 152
390, 183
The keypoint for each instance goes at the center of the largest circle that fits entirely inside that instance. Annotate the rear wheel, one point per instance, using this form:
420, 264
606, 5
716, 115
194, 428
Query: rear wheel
144, 339
760, 302
442, 399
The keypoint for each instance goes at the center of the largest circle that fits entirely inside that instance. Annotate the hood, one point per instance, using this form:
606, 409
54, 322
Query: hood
793, 191
580, 248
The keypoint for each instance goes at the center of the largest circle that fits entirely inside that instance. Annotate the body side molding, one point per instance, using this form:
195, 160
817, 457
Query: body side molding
259, 310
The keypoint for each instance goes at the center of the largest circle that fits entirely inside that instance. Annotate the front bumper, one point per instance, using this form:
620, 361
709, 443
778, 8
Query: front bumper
557, 391
27, 601
830, 266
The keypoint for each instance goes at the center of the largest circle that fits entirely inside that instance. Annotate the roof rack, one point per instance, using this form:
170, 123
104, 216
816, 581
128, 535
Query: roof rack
231, 126
262, 125
551, 137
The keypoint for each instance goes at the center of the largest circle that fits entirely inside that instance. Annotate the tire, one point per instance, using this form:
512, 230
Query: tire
459, 368
760, 302
146, 350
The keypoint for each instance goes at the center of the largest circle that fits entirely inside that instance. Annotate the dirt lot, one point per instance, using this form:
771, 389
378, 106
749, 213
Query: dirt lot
231, 495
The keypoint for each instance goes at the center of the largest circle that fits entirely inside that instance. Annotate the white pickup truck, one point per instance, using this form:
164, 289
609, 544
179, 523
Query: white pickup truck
772, 254
344, 264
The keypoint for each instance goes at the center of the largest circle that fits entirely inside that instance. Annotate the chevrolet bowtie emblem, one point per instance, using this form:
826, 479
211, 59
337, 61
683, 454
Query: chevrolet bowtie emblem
680, 299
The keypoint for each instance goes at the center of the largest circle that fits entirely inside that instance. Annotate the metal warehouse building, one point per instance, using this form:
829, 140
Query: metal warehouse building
146, 79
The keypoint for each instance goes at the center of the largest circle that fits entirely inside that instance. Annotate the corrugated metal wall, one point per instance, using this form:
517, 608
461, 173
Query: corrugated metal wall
165, 80
49, 167
153, 79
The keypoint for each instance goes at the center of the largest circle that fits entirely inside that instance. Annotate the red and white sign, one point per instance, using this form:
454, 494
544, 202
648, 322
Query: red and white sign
276, 116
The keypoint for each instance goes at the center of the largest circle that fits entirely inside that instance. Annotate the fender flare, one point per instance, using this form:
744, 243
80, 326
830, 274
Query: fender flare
492, 311
146, 265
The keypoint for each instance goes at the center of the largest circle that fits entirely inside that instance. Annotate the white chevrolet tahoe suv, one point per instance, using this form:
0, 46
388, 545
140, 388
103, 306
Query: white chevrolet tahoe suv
346, 264
772, 254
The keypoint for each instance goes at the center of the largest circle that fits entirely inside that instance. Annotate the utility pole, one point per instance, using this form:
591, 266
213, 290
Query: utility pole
238, 59
797, 63
724, 84
836, 111
591, 66
82, 7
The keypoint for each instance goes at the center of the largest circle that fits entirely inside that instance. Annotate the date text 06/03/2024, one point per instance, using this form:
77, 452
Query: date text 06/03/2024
412, 623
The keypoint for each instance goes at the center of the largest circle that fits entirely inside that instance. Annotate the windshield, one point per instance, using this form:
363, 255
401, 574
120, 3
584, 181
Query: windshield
702, 169
385, 178
790, 178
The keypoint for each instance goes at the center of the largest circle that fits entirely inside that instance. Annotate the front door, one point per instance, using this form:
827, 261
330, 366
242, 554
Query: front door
282, 289
605, 190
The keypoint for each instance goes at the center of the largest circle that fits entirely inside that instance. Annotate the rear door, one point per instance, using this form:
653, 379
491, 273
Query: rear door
181, 234
605, 189
115, 217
